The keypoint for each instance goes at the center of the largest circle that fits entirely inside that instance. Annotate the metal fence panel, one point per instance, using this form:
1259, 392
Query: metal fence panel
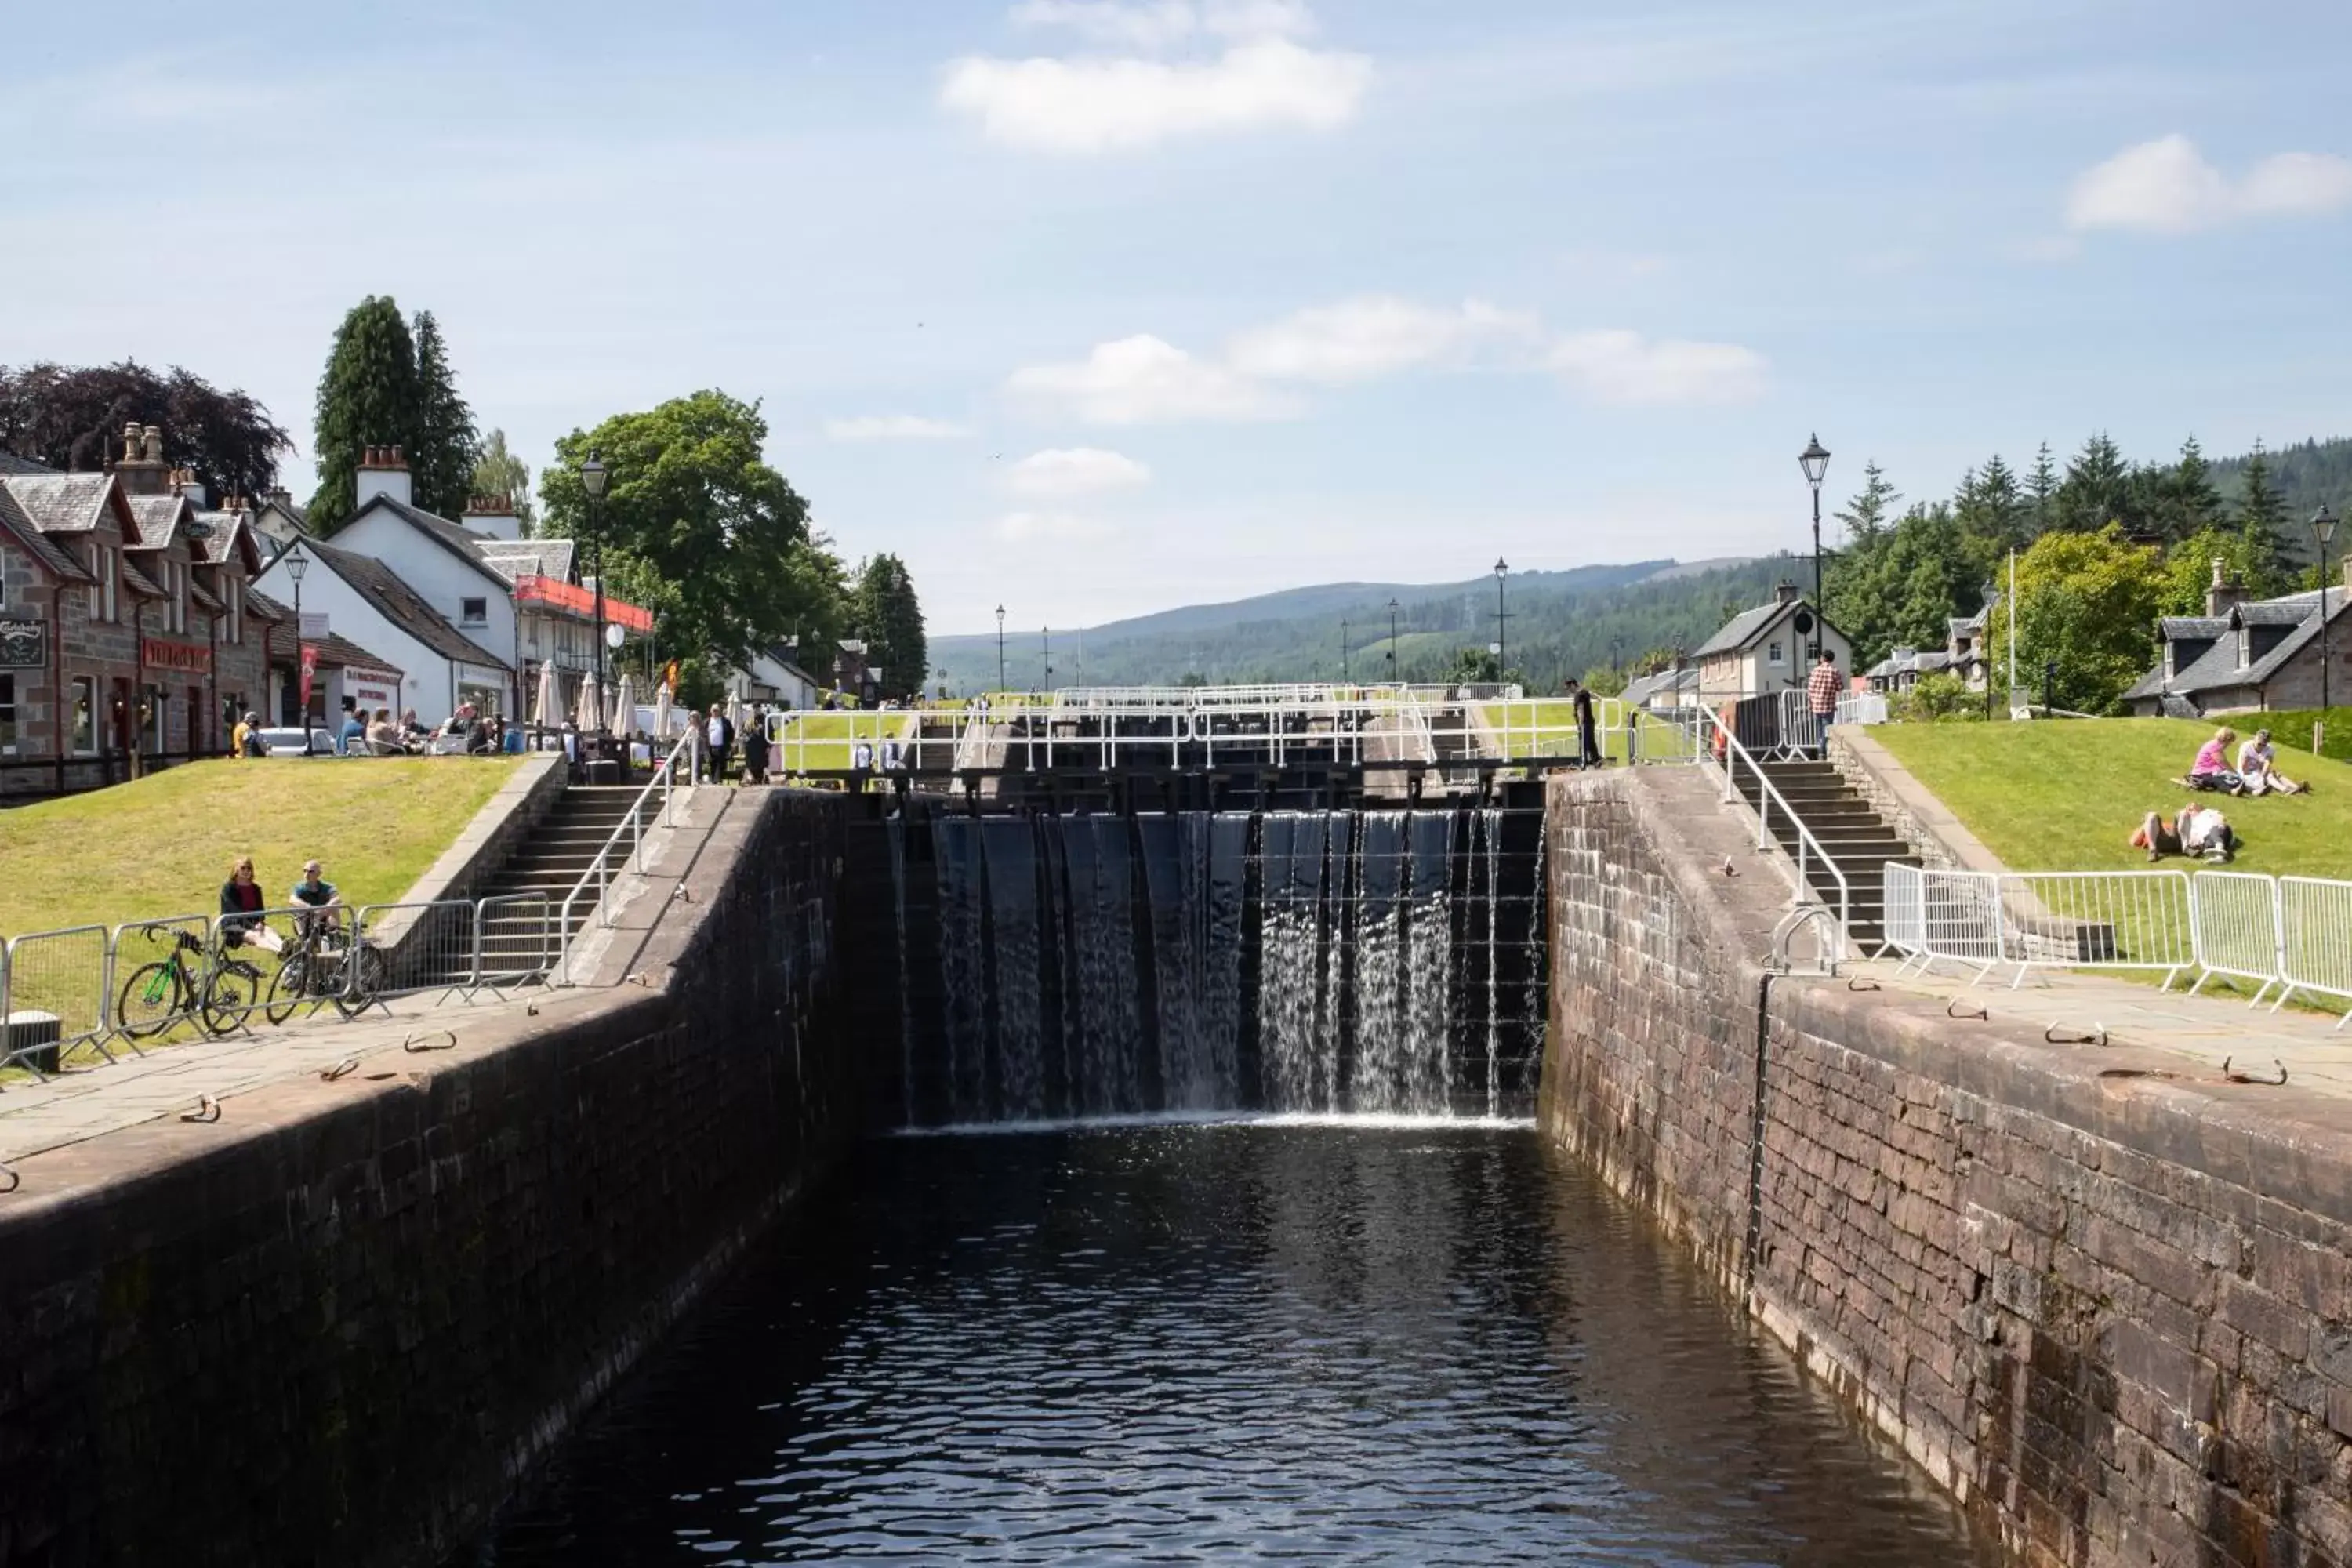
2237, 927
1961, 917
2098, 920
155, 977
518, 939
1905, 898
2315, 938
403, 950
60, 973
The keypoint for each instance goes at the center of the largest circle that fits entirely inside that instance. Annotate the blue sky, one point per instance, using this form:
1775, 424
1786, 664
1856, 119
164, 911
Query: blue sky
1093, 309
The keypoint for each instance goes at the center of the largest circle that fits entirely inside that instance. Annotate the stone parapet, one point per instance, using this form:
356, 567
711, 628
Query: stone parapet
2107, 1307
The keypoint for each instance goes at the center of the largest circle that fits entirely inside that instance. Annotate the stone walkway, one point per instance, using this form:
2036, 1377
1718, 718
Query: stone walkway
2205, 1031
92, 1098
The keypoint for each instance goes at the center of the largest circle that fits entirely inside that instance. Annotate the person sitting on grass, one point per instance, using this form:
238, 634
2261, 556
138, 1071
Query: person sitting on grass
2258, 768
321, 904
240, 910
2211, 771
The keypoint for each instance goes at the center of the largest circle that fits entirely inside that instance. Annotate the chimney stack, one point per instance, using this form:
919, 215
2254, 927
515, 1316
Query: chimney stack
1788, 593
2223, 595
383, 472
492, 517
142, 471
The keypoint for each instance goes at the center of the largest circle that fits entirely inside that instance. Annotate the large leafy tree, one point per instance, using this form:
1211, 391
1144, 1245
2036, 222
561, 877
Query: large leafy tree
73, 417
2087, 602
368, 397
499, 472
2189, 569
698, 525
441, 463
885, 612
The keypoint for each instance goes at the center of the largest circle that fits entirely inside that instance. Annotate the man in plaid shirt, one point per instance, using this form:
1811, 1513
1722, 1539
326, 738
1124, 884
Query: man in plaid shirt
1821, 695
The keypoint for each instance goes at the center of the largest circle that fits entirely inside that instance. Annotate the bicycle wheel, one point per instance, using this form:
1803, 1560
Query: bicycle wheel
229, 996
353, 999
150, 1002
289, 988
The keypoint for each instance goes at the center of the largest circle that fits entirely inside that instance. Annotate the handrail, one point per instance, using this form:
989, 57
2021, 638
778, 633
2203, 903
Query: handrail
599, 869
1808, 848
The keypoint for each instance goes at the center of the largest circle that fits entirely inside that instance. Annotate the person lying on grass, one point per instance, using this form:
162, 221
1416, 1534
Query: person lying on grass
2258, 769
2202, 831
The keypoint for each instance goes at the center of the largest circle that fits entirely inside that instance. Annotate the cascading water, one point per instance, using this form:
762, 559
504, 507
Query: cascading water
1290, 961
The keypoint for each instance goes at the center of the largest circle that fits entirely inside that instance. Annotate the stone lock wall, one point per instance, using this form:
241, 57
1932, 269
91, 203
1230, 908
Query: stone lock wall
2107, 1308
340, 1324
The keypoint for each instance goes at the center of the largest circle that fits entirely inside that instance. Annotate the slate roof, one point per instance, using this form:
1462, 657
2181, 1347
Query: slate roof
396, 601
2176, 627
261, 606
61, 503
54, 558
1911, 661
1642, 689
458, 541
336, 651
1747, 627
513, 558
157, 516
11, 464
223, 530
2218, 669
139, 582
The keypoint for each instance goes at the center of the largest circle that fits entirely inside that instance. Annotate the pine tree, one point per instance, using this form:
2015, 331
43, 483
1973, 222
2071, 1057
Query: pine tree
2262, 514
368, 397
885, 612
2192, 503
1865, 515
2097, 490
441, 464
499, 472
2043, 487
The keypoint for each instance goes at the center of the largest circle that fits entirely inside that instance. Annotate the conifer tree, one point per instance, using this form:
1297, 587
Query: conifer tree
441, 463
2262, 513
368, 397
1865, 515
2097, 490
885, 612
2042, 487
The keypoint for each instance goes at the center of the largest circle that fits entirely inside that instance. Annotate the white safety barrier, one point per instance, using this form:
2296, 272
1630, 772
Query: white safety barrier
1862, 708
2237, 934
2099, 920
2314, 939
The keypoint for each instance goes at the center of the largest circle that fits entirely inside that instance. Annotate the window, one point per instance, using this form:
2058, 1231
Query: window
233, 593
1773, 655
8, 715
85, 715
474, 612
107, 602
179, 587
151, 729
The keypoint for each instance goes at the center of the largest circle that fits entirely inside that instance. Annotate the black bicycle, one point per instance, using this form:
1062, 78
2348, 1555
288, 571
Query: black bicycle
317, 971
160, 995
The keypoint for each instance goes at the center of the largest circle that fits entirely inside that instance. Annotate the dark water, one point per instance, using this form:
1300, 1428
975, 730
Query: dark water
1171, 1344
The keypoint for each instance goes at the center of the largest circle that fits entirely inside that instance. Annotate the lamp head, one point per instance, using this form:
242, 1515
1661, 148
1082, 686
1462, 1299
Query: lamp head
296, 563
1502, 567
2323, 526
1815, 459
593, 475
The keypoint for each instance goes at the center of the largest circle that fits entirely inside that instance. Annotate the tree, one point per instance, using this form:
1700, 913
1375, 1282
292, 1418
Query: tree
369, 396
2187, 502
2089, 602
1865, 515
1993, 510
884, 611
2043, 488
1473, 667
499, 472
73, 417
441, 462
2097, 489
1937, 698
1604, 681
2262, 513
2189, 569
718, 539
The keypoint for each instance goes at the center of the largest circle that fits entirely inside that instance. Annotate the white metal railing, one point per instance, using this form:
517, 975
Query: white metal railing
2315, 938
596, 882
1862, 708
1729, 759
2237, 935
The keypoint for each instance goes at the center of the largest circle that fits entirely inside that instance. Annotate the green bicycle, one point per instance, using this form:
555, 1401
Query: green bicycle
161, 994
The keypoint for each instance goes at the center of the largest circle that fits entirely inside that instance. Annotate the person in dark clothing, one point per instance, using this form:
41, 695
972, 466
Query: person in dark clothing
240, 906
755, 752
719, 734
1587, 745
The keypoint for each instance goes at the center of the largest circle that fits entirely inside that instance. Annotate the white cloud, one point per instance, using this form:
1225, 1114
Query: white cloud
2166, 186
1370, 336
1049, 527
1626, 367
1147, 381
1155, 25
893, 428
1065, 472
1092, 106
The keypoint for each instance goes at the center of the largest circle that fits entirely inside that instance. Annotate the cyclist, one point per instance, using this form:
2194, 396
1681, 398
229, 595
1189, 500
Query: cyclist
240, 908
322, 904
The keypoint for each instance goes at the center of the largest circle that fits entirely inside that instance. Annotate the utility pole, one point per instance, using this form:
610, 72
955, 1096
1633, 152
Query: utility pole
1392, 642
1502, 619
1000, 648
1343, 650
1047, 635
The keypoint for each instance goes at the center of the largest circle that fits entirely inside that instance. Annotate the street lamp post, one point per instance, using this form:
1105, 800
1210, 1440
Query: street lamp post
1392, 641
1502, 620
1343, 651
593, 475
1815, 461
2323, 530
1616, 652
1000, 648
1045, 638
296, 565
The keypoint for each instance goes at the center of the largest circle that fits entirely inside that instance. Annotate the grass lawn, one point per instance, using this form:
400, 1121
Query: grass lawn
2064, 795
1547, 728
824, 739
162, 846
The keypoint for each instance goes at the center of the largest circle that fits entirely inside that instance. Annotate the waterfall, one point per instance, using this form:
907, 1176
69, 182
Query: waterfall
1286, 961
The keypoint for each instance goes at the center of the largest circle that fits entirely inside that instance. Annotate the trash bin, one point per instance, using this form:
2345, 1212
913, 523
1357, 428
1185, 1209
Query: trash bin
34, 1034
606, 771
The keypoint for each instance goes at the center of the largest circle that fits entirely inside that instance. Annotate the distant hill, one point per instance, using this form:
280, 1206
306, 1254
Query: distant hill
1560, 622
2308, 474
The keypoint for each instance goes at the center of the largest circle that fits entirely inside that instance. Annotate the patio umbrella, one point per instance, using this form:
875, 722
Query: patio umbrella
547, 708
735, 712
661, 712
625, 705
588, 716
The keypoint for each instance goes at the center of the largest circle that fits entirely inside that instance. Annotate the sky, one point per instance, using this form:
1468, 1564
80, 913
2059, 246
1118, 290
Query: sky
1089, 309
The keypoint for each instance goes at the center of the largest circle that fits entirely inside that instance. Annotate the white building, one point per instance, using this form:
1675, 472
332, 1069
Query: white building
1769, 649
772, 677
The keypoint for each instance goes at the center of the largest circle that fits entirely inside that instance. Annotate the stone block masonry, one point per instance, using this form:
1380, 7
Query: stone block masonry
2107, 1308
340, 1324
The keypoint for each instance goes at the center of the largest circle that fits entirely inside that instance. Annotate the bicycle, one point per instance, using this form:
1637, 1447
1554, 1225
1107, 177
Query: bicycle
160, 993
313, 972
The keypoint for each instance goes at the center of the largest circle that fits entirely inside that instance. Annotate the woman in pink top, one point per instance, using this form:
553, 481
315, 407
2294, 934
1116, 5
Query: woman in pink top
2211, 768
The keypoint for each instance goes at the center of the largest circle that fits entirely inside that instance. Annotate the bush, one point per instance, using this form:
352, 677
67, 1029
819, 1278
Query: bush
2292, 727
1937, 700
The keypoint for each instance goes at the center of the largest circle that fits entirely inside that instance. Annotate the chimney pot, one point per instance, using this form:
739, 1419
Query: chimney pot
1787, 593
2221, 573
154, 438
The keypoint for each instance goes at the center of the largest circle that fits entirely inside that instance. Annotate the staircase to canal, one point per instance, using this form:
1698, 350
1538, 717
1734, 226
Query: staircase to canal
1849, 830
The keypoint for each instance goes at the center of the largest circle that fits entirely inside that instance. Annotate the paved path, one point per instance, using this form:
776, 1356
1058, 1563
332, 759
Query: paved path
89, 1101
2205, 1031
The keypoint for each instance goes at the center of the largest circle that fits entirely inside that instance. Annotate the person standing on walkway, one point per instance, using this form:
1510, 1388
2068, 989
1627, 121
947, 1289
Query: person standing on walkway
719, 732
755, 749
1821, 697
1587, 743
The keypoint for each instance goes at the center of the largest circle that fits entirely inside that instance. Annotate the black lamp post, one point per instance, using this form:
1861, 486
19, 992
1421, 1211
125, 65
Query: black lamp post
593, 475
296, 565
1000, 648
1815, 458
1343, 651
1502, 570
1046, 640
2323, 530
1392, 641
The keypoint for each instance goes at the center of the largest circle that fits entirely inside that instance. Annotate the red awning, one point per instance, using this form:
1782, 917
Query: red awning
556, 593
